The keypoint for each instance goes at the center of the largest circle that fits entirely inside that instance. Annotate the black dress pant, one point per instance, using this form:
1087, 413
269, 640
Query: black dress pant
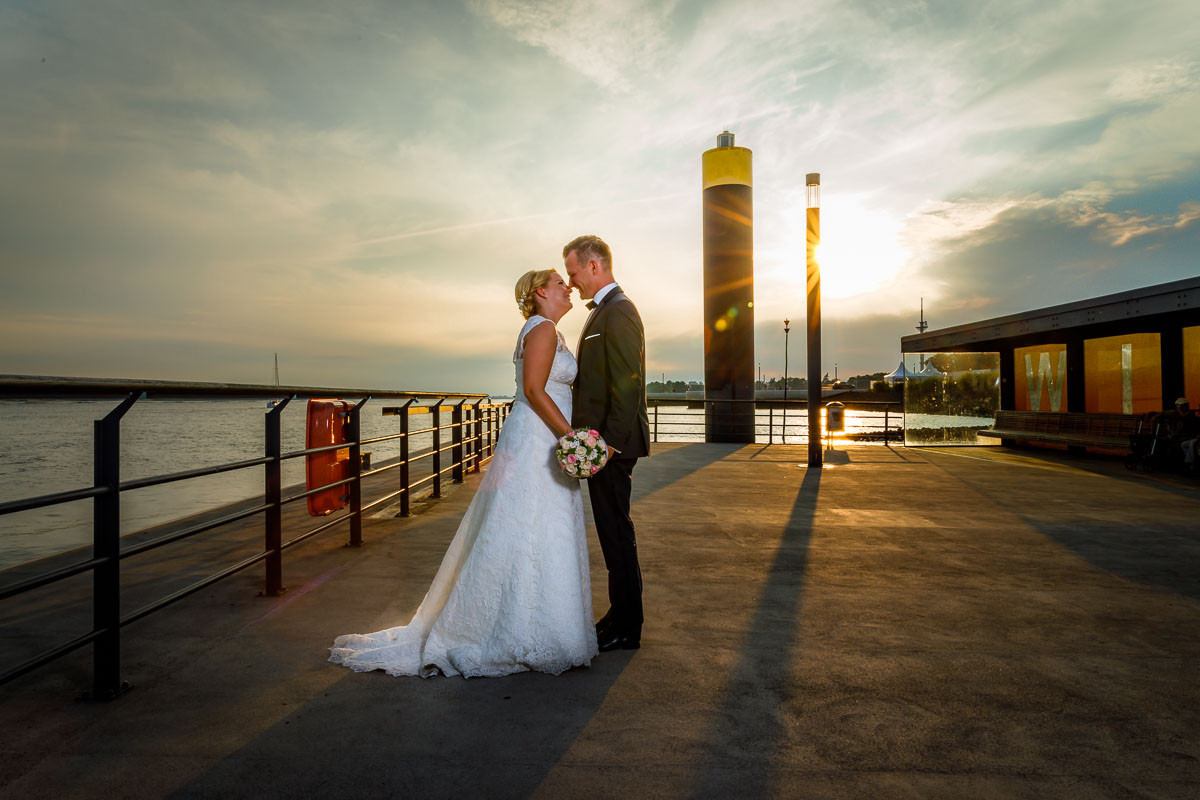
610, 490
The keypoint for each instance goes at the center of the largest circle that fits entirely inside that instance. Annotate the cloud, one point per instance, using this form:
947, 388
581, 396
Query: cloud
954, 226
1121, 228
600, 40
371, 179
1139, 83
1081, 244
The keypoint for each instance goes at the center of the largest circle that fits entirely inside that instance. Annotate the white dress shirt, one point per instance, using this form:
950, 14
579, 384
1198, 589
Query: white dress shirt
600, 295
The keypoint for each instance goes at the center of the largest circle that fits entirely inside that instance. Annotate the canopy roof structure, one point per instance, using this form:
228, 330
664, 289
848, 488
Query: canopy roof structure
900, 374
930, 371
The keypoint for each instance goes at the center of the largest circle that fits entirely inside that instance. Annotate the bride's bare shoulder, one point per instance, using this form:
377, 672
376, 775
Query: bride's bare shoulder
541, 332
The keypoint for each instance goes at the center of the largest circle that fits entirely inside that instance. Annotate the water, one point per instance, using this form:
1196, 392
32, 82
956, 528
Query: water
679, 424
46, 447
939, 429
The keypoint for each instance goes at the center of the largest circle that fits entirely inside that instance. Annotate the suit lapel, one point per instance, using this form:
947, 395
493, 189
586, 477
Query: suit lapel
586, 324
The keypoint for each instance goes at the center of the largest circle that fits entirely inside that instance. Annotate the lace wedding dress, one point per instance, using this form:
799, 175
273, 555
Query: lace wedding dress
513, 592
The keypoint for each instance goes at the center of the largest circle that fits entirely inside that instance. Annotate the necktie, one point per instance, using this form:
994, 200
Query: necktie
590, 305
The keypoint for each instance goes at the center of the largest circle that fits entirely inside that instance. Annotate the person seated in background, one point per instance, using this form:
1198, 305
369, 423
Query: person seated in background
1188, 446
1187, 433
1181, 428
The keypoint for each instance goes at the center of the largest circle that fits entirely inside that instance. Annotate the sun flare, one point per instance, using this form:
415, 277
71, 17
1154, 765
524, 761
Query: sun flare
860, 248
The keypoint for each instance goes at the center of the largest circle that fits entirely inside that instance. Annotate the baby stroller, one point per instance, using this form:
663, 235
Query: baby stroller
1146, 449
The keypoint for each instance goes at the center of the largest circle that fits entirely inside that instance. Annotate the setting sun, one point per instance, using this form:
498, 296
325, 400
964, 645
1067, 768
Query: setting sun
860, 247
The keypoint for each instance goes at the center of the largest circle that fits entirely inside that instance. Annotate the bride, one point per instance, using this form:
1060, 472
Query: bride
513, 592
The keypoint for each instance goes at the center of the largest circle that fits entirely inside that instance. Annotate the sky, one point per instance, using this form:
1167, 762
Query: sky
189, 188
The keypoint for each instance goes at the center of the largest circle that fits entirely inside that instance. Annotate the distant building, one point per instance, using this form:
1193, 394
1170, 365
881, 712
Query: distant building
1125, 353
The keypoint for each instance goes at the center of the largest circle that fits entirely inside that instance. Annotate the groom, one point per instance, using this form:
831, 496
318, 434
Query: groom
609, 394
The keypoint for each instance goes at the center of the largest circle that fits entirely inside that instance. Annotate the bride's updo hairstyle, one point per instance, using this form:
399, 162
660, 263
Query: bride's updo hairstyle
527, 284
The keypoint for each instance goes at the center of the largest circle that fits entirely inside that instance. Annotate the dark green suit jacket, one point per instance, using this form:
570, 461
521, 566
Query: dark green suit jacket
609, 393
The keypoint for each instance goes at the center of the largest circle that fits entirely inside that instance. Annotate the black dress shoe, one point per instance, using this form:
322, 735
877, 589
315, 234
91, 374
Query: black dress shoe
619, 641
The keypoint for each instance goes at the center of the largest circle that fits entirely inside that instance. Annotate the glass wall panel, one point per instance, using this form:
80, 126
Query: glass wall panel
1191, 366
1040, 379
949, 397
1123, 374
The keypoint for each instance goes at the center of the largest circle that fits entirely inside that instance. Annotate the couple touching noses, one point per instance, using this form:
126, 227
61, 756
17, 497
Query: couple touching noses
513, 592
608, 394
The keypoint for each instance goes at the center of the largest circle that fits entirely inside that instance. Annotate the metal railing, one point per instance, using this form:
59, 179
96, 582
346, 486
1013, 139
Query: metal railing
474, 428
773, 415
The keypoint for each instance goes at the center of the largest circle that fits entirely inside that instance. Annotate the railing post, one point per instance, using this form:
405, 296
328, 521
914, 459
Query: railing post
355, 437
404, 476
272, 496
106, 544
457, 438
885, 424
437, 449
476, 433
655, 437
770, 424
491, 411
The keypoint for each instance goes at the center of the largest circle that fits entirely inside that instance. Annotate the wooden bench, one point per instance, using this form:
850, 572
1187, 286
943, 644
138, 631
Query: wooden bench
1069, 428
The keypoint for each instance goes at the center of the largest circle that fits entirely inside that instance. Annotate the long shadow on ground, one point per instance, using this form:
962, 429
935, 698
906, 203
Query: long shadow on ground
442, 736
1135, 529
670, 466
1167, 557
749, 728
408, 737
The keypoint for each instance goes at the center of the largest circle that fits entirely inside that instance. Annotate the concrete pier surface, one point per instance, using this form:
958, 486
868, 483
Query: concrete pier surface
947, 623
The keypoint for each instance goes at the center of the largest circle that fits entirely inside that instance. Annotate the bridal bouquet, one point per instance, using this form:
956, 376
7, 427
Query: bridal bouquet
581, 453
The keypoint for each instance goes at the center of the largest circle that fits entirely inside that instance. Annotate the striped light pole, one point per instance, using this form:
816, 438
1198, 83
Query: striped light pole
812, 187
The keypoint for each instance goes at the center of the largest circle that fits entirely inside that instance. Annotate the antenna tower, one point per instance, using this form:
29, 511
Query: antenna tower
922, 326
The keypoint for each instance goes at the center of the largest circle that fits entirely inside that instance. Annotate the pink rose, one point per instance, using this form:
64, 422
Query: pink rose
595, 470
571, 458
590, 441
593, 433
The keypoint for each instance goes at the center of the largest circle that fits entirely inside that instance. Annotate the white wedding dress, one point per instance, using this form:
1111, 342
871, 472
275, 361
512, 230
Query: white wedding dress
513, 592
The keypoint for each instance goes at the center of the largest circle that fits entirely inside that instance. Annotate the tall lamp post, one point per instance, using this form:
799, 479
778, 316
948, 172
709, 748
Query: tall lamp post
786, 331
812, 191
